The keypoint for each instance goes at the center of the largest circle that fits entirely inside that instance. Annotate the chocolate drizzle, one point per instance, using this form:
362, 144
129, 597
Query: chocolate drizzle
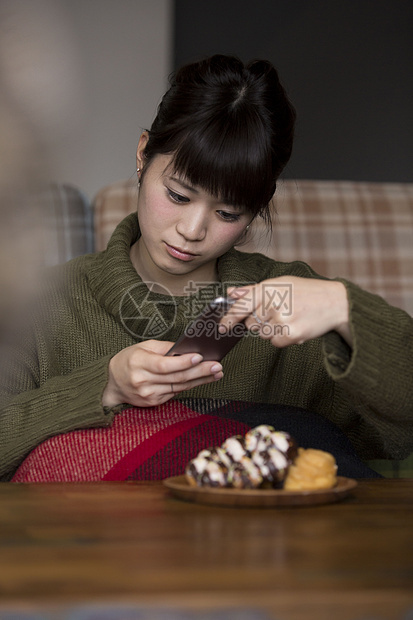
260, 458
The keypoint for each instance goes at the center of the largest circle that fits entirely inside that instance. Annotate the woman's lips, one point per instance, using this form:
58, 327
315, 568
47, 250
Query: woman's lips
177, 253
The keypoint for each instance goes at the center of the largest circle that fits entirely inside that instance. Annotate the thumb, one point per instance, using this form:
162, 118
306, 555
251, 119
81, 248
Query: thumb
157, 346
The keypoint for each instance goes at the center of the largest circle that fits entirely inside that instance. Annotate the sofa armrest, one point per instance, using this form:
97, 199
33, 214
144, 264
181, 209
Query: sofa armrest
68, 223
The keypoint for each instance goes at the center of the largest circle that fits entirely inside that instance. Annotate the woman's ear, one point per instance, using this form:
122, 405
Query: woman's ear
140, 152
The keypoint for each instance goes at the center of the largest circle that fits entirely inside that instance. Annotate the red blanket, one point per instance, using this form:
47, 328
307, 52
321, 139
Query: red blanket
142, 444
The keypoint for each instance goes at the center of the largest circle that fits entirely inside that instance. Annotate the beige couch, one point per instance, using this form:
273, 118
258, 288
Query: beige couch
360, 231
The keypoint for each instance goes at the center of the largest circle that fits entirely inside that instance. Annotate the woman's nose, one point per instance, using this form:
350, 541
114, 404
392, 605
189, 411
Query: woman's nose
193, 226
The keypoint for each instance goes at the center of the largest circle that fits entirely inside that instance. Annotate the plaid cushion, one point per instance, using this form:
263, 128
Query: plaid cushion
110, 206
67, 224
359, 231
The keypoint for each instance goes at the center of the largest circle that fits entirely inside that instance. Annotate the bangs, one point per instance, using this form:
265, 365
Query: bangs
232, 162
228, 128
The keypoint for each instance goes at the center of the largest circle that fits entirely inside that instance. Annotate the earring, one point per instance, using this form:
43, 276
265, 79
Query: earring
139, 179
247, 227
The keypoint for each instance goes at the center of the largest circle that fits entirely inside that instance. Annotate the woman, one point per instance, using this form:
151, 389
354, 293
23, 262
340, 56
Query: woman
207, 168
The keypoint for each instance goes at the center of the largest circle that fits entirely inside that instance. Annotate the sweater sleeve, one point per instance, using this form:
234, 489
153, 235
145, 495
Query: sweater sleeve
60, 404
377, 372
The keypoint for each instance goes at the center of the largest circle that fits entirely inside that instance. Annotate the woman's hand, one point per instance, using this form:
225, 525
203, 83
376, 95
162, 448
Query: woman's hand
291, 310
142, 376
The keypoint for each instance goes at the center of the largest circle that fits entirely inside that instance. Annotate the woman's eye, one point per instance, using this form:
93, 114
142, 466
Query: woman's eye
229, 217
177, 197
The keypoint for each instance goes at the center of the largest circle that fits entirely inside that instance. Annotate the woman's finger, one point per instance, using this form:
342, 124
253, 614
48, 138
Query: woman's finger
158, 362
188, 385
200, 372
242, 307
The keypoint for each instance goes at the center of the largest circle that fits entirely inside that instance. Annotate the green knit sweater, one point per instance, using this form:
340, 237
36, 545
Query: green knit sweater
96, 305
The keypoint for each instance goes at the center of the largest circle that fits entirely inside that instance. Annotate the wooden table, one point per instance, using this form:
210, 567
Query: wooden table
133, 543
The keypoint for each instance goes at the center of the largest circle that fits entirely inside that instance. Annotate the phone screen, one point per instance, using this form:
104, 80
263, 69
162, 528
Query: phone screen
202, 335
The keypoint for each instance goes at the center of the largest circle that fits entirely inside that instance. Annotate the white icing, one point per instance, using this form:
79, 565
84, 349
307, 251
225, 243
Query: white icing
234, 448
280, 441
205, 454
256, 437
200, 463
262, 459
215, 473
223, 457
278, 458
258, 459
252, 470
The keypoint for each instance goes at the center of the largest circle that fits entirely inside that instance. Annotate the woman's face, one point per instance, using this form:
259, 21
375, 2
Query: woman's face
184, 229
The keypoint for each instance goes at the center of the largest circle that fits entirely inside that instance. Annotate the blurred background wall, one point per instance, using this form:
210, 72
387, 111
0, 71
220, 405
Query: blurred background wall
88, 76
123, 54
347, 65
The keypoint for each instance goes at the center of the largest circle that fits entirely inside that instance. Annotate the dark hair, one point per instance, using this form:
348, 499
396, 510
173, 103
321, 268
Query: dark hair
230, 127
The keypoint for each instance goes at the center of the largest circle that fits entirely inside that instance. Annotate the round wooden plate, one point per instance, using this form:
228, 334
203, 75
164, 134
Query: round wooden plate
254, 498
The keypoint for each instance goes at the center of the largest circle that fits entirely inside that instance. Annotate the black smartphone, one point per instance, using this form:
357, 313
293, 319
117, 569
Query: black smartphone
202, 335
